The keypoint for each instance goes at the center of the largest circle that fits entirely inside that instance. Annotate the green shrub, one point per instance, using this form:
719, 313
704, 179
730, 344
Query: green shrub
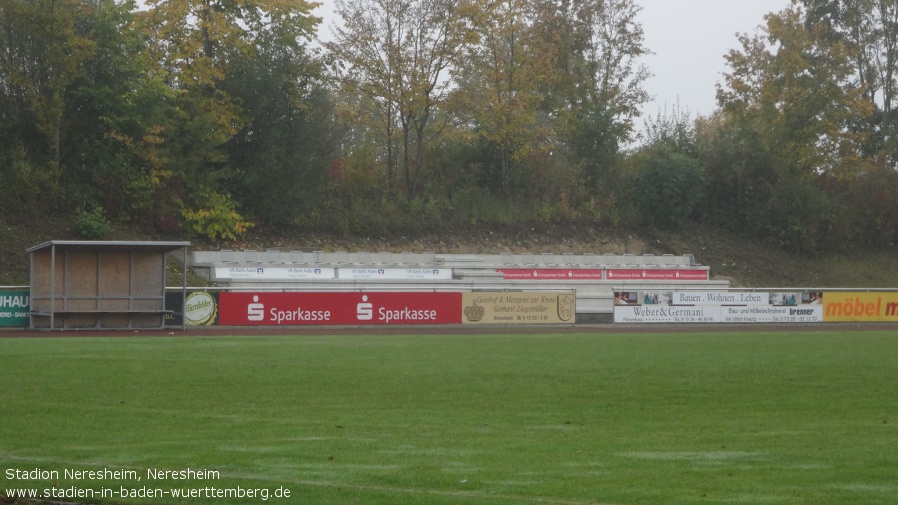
92, 224
216, 218
668, 189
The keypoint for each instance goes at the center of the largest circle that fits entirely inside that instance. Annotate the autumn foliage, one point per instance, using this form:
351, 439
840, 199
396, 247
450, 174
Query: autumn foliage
207, 117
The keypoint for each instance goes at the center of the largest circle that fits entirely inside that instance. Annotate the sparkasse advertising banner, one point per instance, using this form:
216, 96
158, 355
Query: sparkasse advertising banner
866, 307
656, 274
533, 307
550, 274
342, 308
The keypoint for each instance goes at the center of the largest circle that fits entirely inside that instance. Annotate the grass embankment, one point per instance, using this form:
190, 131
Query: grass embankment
746, 262
800, 418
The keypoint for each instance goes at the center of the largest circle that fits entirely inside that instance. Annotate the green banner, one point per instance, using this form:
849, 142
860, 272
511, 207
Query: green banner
14, 308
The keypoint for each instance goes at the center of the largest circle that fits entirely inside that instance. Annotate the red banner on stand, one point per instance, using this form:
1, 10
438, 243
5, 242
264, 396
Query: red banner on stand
551, 274
656, 274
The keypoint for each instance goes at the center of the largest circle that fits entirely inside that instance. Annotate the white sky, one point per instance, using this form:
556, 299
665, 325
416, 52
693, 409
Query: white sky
689, 39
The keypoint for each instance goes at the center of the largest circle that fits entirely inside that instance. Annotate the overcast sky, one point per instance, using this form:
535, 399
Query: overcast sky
689, 39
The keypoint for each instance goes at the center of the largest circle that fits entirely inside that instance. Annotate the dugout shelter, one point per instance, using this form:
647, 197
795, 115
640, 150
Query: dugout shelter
110, 285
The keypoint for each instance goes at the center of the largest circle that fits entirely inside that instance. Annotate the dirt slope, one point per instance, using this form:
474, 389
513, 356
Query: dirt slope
745, 262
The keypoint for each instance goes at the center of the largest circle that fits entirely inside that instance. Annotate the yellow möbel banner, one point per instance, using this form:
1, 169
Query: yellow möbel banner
869, 307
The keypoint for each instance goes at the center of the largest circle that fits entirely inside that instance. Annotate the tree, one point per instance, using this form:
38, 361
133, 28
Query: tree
737, 178
42, 46
793, 87
114, 108
601, 87
499, 82
368, 45
594, 137
668, 189
791, 103
80, 108
673, 132
397, 52
287, 140
613, 45
198, 43
869, 29
670, 179
197, 38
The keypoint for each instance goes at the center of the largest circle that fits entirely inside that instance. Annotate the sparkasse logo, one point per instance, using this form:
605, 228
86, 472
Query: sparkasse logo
255, 311
364, 311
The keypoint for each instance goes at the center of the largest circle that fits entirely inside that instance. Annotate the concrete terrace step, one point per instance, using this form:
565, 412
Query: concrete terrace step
274, 257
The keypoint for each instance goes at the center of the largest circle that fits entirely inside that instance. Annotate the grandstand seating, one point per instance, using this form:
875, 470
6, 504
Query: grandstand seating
469, 272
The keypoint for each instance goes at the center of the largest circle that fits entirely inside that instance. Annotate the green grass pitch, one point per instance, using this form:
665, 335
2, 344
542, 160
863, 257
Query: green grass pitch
566, 419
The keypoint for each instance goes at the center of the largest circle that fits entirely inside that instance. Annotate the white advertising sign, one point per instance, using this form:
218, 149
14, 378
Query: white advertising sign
720, 298
715, 307
772, 314
665, 314
395, 274
274, 273
718, 314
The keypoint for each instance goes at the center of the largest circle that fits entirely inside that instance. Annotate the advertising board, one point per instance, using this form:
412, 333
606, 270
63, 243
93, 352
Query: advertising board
720, 298
395, 274
656, 274
274, 273
518, 307
201, 309
340, 308
550, 274
862, 307
14, 308
772, 314
665, 314
716, 307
